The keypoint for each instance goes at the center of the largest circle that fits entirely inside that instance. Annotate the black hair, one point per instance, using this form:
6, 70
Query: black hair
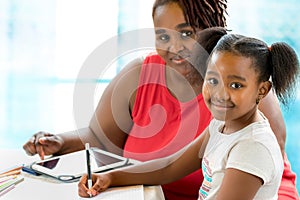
200, 14
206, 41
278, 62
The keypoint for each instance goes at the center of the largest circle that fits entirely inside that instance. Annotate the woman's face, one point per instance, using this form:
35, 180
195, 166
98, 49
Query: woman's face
174, 37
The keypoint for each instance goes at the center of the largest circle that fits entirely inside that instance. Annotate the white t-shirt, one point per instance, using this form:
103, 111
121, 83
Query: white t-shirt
253, 149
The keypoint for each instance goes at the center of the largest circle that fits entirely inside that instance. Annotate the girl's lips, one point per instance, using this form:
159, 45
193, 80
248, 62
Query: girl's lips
222, 106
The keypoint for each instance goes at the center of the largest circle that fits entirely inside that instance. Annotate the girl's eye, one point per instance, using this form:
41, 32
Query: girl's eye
164, 37
186, 34
212, 81
236, 85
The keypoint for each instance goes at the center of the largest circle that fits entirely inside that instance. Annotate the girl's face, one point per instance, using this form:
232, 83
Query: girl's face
230, 87
174, 37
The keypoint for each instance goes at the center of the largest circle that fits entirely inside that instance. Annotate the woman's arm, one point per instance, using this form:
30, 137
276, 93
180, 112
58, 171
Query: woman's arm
112, 120
270, 107
155, 172
108, 127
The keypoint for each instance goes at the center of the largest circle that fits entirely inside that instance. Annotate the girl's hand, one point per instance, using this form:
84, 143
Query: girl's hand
100, 183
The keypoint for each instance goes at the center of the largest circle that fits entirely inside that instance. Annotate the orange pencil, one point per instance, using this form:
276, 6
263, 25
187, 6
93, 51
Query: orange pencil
16, 167
9, 173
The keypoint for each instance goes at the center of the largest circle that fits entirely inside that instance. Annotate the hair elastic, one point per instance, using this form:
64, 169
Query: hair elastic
269, 48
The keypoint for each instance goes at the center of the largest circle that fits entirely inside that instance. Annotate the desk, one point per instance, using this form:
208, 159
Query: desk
42, 187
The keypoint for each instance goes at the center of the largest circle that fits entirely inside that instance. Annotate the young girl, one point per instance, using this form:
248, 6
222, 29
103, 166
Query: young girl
240, 156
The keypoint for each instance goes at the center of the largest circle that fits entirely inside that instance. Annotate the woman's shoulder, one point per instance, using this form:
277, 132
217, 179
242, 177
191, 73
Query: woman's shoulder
133, 69
126, 80
136, 64
153, 58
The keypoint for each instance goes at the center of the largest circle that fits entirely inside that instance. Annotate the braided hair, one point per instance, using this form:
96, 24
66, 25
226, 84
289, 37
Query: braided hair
200, 14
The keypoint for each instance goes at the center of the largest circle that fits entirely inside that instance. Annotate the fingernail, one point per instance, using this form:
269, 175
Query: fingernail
94, 192
89, 193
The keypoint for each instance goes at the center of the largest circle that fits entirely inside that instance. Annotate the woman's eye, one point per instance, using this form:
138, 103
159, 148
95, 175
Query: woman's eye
212, 81
236, 85
186, 34
164, 37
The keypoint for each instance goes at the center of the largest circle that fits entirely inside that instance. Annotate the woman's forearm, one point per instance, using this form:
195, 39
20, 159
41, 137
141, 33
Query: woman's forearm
75, 140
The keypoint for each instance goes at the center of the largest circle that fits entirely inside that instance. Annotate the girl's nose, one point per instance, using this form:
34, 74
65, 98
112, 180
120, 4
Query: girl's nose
222, 95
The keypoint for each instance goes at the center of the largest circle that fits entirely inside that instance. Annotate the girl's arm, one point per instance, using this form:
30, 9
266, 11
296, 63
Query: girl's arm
249, 165
238, 185
155, 172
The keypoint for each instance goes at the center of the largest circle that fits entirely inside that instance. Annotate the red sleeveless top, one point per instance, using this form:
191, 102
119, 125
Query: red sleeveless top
163, 125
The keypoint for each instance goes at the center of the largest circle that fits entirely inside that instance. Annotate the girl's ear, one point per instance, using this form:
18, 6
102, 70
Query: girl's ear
264, 89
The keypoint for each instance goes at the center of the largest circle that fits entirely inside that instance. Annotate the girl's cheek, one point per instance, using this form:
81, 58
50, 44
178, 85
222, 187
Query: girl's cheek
206, 92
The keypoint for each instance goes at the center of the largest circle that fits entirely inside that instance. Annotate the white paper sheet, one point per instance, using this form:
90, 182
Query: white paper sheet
135, 192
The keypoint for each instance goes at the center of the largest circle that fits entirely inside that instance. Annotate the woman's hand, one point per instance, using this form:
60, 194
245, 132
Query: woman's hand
100, 183
43, 143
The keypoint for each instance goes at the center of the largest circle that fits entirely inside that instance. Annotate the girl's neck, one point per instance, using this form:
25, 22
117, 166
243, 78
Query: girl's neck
232, 126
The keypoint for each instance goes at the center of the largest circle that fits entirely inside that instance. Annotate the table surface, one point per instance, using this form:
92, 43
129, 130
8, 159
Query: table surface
43, 187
